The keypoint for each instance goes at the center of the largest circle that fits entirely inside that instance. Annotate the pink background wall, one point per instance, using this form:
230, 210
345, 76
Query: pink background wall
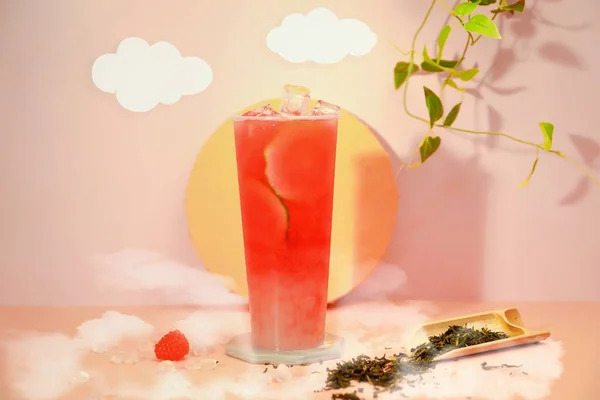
81, 176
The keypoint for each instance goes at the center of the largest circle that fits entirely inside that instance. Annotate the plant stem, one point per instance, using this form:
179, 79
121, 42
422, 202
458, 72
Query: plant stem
447, 7
398, 48
411, 60
465, 49
582, 169
471, 40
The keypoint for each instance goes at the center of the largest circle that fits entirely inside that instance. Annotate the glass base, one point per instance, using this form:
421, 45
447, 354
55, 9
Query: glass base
240, 347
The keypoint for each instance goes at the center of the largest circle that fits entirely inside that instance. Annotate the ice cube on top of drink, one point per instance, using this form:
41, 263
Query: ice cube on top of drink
264, 111
295, 100
325, 108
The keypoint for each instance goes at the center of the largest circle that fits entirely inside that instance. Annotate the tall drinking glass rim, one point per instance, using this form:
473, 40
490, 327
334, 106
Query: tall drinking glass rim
237, 117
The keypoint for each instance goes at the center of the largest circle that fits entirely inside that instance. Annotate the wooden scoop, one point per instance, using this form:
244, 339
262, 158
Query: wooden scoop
507, 321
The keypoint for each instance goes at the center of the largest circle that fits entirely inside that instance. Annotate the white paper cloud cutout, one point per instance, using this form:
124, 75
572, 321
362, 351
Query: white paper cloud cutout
142, 75
320, 36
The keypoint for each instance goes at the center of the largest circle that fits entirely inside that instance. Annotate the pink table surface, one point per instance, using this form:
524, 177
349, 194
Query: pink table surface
573, 327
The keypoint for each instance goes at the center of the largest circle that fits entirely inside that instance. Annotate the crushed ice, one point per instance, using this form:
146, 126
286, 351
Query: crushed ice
166, 366
205, 329
201, 364
295, 101
110, 329
325, 108
264, 111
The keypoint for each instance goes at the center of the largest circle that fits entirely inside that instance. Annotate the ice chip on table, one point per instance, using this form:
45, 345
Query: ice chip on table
325, 108
166, 367
264, 111
80, 378
295, 100
204, 364
117, 358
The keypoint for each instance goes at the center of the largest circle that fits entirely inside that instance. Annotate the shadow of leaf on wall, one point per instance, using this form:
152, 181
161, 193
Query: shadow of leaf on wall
560, 54
495, 124
440, 229
589, 151
436, 252
506, 61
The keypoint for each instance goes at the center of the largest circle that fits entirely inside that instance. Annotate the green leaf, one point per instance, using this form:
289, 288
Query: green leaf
429, 146
465, 8
451, 117
434, 106
438, 65
427, 61
448, 63
548, 132
519, 6
426, 57
467, 74
401, 71
483, 2
450, 82
526, 181
483, 25
442, 38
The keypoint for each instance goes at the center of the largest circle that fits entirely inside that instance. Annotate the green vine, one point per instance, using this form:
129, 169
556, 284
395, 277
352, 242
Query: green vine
476, 23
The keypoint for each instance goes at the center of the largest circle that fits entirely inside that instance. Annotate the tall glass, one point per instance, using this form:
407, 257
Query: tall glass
286, 168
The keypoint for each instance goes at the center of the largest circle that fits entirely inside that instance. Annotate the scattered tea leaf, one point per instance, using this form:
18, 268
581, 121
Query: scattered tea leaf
434, 106
442, 38
455, 337
548, 132
429, 146
451, 117
483, 25
486, 367
379, 371
345, 396
467, 74
401, 72
462, 9
386, 373
533, 167
438, 65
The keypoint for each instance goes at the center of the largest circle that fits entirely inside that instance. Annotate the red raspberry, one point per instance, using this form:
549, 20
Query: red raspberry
172, 347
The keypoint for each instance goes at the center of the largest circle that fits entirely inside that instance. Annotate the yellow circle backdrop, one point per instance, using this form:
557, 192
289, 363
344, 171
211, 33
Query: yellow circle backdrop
364, 213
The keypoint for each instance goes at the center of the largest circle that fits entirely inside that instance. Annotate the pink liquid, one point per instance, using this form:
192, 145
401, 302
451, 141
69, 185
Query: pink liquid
286, 175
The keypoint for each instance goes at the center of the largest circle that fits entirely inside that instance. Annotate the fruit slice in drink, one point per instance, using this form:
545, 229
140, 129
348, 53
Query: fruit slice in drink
264, 216
251, 137
300, 158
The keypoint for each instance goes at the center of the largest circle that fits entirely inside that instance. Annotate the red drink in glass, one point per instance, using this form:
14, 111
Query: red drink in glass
286, 169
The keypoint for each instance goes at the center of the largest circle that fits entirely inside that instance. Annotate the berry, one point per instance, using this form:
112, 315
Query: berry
172, 347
